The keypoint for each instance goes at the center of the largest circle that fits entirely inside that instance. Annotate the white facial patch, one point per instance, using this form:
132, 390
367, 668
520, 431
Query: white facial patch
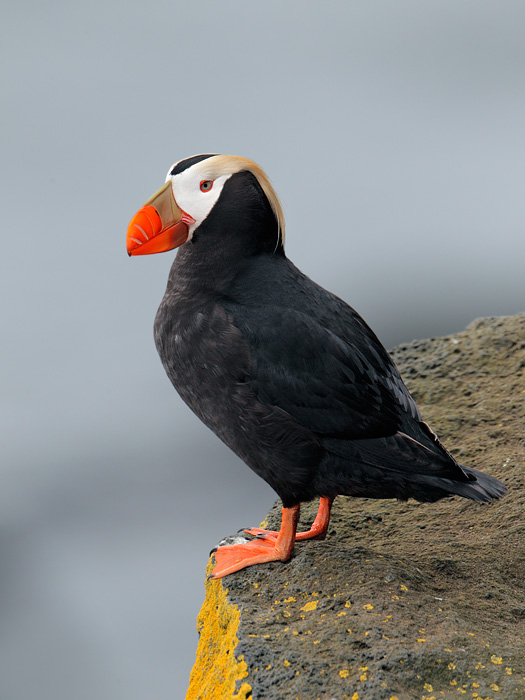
190, 198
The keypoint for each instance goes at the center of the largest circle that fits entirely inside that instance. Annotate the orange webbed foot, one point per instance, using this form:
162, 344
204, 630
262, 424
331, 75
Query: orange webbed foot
234, 557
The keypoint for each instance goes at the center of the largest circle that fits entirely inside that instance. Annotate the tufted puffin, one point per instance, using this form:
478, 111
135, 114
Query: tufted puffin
288, 375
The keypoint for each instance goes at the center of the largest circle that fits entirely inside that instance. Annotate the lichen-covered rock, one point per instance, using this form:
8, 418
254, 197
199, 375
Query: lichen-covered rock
402, 600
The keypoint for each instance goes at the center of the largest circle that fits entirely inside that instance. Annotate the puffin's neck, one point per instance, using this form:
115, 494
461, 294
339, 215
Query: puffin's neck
221, 250
214, 272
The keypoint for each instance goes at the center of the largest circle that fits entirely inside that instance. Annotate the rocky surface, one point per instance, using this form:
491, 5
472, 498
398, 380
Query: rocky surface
402, 600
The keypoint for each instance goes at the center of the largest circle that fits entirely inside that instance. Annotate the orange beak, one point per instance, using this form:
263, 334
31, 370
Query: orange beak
159, 226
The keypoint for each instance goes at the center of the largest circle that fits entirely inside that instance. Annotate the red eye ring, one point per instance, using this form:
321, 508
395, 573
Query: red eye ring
206, 185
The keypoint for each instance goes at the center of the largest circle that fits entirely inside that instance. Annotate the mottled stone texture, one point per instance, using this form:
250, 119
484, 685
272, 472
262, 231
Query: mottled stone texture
403, 600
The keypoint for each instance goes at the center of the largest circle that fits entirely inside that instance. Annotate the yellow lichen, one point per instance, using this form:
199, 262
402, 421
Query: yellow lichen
216, 668
309, 606
245, 691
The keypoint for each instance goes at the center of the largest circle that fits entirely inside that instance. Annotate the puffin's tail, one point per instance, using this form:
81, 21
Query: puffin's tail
483, 487
480, 487
400, 467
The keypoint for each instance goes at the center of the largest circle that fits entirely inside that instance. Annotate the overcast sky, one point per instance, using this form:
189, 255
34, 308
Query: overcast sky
394, 133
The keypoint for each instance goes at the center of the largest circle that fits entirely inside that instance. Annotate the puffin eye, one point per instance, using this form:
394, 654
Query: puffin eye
206, 185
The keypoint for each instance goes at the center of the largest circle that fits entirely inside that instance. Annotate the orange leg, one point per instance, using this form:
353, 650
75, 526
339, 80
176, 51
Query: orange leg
316, 532
235, 557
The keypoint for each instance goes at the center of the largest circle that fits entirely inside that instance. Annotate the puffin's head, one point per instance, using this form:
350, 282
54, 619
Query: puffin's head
192, 189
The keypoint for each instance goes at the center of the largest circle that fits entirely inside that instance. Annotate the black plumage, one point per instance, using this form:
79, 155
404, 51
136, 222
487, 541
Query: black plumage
288, 375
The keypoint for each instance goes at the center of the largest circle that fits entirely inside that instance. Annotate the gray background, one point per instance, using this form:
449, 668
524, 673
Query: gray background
394, 134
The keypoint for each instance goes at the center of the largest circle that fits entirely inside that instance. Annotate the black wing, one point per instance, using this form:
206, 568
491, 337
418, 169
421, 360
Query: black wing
341, 387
